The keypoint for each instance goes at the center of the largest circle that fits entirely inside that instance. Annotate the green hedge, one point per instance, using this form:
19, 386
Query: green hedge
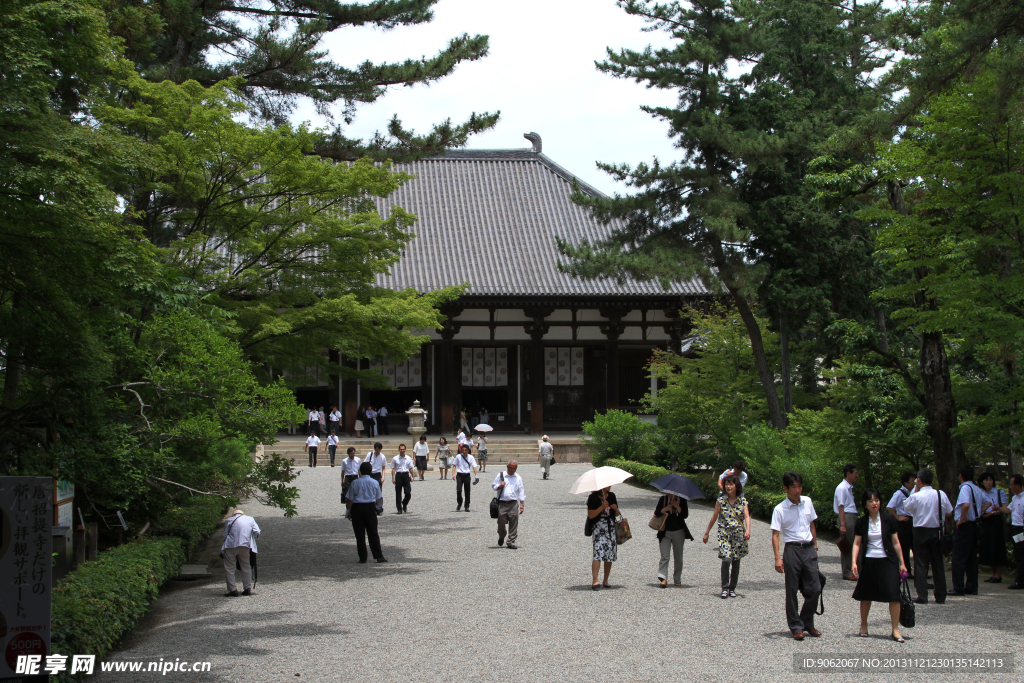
101, 600
762, 503
193, 521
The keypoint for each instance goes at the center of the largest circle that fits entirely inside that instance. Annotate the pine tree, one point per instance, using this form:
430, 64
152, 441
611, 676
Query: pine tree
276, 46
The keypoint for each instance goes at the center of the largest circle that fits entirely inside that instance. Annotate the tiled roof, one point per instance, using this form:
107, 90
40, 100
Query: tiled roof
490, 217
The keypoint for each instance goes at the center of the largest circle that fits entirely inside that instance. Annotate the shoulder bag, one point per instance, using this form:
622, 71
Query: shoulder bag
945, 540
658, 521
494, 501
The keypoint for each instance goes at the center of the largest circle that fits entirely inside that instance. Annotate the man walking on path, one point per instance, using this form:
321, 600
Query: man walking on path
377, 464
401, 477
334, 421
844, 506
544, 454
332, 446
511, 501
240, 534
349, 470
929, 508
312, 443
793, 522
965, 538
313, 422
465, 463
904, 522
362, 504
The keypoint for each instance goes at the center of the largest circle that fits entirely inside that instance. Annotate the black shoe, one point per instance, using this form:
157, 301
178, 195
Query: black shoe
1016, 586
921, 601
399, 511
993, 579
513, 546
973, 592
247, 592
956, 594
362, 560
467, 508
940, 602
501, 540
381, 559
231, 594
405, 508
458, 509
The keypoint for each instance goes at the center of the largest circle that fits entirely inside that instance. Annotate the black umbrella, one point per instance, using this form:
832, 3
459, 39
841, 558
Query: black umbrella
678, 485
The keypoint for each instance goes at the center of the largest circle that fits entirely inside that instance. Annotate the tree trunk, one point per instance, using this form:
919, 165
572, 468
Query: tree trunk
765, 373
787, 389
883, 336
1015, 459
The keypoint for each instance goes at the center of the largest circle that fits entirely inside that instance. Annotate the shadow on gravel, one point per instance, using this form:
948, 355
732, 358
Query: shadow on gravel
587, 587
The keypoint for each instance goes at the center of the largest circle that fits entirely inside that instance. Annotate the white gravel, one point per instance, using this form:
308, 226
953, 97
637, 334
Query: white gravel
453, 606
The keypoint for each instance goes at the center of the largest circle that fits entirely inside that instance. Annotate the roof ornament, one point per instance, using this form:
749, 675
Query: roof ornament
535, 139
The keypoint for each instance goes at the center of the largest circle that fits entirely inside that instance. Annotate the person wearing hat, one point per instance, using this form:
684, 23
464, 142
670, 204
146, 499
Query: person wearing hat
240, 534
545, 454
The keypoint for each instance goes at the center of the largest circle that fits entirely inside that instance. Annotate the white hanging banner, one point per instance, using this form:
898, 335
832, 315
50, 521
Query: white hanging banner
489, 367
478, 367
501, 367
551, 367
563, 367
467, 367
576, 367
416, 370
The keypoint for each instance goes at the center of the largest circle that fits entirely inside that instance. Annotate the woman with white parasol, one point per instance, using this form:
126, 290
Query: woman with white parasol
602, 509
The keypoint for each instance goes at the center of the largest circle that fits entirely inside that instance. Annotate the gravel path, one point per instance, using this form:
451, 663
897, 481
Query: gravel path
452, 605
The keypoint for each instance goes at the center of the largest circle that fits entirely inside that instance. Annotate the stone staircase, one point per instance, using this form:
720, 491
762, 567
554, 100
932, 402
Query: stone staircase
499, 450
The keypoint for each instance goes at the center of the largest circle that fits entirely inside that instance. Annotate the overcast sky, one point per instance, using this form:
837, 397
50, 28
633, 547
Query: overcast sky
540, 74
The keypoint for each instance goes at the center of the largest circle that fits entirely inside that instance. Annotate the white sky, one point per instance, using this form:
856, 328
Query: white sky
540, 74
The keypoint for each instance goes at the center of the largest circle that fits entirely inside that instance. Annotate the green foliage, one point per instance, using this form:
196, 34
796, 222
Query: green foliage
642, 474
192, 521
619, 434
98, 603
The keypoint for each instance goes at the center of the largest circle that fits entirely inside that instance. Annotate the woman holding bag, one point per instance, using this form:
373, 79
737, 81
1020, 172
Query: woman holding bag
602, 509
672, 535
877, 562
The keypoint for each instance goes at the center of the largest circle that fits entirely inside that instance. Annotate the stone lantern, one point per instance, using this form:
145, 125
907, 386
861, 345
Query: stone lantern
417, 420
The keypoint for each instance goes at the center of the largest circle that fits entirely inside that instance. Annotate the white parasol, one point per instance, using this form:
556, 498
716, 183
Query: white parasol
597, 479
483, 428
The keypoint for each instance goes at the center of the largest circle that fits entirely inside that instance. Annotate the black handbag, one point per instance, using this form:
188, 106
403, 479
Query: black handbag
494, 501
908, 615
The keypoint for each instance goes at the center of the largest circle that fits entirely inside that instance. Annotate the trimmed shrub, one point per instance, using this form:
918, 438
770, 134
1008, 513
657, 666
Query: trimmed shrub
193, 521
100, 601
621, 435
642, 474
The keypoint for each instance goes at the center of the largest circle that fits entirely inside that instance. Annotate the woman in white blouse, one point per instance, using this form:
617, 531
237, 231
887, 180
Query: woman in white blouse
876, 556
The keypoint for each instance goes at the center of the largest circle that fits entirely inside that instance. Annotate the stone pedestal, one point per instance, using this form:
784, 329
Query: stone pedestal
417, 420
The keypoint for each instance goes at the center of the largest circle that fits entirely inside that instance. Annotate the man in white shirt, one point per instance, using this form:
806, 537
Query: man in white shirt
545, 453
422, 451
844, 505
240, 534
929, 508
349, 470
1015, 508
313, 422
401, 477
904, 522
465, 463
334, 420
377, 462
511, 503
739, 468
967, 515
793, 527
312, 443
382, 421
332, 446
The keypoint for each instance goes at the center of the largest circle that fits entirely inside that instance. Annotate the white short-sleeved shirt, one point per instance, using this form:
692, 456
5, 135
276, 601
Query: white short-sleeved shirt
971, 496
1017, 510
793, 521
844, 497
313, 441
314, 416
743, 476
462, 438
875, 548
545, 449
421, 449
350, 466
481, 444
923, 506
401, 463
464, 464
332, 440
378, 462
897, 501
335, 416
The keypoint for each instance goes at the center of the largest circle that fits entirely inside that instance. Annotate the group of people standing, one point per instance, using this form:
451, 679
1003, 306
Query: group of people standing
373, 422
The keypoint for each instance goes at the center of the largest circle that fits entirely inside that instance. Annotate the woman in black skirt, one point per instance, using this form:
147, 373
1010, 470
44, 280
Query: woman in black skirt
877, 562
993, 545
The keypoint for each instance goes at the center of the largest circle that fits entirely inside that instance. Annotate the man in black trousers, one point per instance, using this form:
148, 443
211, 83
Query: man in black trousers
362, 499
967, 514
401, 477
929, 508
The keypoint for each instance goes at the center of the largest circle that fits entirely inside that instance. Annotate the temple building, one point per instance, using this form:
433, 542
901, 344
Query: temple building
537, 349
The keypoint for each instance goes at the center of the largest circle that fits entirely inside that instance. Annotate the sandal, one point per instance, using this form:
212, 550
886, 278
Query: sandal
898, 639
725, 594
662, 582
863, 634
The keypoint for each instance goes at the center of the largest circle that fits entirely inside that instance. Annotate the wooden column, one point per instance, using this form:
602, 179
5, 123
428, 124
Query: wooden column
348, 393
613, 329
537, 329
446, 376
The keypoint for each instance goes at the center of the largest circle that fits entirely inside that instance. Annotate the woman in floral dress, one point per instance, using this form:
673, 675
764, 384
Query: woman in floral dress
733, 517
602, 508
443, 453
